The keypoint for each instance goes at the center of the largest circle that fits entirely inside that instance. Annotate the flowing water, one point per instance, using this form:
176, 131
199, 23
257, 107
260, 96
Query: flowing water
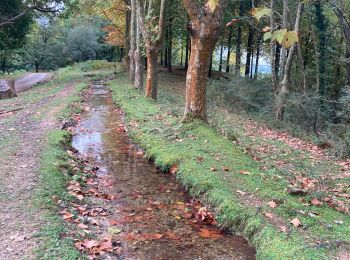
151, 214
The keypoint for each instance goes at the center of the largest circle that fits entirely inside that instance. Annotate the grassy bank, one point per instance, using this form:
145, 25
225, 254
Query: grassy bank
222, 174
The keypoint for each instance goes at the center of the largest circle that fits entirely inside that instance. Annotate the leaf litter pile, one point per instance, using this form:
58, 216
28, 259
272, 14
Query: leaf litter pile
125, 208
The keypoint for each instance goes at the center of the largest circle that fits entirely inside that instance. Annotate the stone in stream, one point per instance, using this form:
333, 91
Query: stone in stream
7, 89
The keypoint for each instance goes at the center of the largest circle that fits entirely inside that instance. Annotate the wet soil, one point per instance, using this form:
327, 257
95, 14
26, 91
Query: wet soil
146, 212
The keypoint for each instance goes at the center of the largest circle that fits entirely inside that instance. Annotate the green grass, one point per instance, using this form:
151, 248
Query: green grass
196, 147
53, 183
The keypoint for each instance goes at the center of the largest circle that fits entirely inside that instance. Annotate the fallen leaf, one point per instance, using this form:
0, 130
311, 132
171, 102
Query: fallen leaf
316, 202
241, 192
268, 214
90, 243
173, 169
272, 204
284, 229
82, 226
225, 168
296, 222
244, 172
213, 169
210, 233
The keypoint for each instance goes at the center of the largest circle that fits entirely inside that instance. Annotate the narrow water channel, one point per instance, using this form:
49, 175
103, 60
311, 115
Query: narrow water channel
151, 214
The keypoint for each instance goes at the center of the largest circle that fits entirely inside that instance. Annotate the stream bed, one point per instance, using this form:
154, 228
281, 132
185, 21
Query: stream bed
148, 213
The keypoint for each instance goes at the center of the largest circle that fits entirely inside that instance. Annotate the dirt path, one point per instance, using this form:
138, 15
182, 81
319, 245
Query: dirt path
19, 220
30, 79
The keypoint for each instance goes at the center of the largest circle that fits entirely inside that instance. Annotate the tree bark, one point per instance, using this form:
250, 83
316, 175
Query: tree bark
249, 51
239, 40
229, 43
187, 49
273, 47
221, 53
284, 85
258, 47
170, 44
152, 73
132, 41
153, 44
127, 33
138, 54
205, 29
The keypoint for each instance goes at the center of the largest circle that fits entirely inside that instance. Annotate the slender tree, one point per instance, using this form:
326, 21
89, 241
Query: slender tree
153, 42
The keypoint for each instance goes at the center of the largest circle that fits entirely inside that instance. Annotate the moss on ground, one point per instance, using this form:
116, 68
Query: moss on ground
196, 148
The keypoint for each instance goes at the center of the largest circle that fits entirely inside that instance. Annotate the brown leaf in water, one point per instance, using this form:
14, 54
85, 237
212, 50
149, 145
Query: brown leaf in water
210, 233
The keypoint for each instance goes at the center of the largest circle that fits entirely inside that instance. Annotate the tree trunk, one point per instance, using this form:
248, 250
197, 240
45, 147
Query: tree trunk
229, 43
257, 57
249, 51
273, 48
7, 89
284, 85
138, 55
347, 56
152, 73
239, 40
170, 44
205, 29
132, 41
187, 49
321, 31
221, 53
182, 54
36, 67
127, 33
210, 71
153, 45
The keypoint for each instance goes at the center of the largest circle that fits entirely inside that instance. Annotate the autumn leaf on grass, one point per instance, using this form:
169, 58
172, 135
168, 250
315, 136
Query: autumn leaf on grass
296, 222
272, 204
173, 169
225, 168
268, 214
241, 192
316, 202
210, 233
284, 229
244, 172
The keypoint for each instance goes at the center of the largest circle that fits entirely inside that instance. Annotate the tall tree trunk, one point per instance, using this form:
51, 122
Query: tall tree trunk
221, 53
210, 71
229, 43
170, 44
187, 49
284, 85
182, 54
347, 56
239, 40
152, 73
132, 41
166, 48
127, 33
138, 55
205, 29
153, 45
258, 47
321, 31
249, 51
273, 48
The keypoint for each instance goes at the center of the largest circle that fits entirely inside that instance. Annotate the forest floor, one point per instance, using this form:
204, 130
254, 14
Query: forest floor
293, 198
